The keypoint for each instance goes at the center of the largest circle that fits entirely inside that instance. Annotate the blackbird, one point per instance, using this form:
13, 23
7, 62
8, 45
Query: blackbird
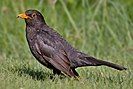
53, 51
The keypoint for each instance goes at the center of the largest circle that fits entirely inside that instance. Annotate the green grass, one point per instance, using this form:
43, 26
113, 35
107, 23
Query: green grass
101, 28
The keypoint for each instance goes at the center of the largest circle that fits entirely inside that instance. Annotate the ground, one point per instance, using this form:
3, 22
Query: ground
101, 28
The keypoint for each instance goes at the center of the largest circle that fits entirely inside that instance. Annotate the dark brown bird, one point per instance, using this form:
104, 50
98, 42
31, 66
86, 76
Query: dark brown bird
54, 52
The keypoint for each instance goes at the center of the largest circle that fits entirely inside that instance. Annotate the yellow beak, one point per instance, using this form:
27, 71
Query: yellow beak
23, 16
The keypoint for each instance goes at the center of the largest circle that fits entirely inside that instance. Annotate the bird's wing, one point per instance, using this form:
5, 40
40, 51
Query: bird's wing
55, 56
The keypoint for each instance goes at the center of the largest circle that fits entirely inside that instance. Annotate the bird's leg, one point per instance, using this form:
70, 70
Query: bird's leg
75, 72
56, 72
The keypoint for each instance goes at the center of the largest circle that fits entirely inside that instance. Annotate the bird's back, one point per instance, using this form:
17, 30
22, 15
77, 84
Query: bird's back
59, 43
51, 38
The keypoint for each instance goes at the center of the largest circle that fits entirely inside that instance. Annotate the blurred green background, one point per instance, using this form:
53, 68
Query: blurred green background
101, 28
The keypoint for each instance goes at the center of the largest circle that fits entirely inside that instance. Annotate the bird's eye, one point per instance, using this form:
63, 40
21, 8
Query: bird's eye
33, 15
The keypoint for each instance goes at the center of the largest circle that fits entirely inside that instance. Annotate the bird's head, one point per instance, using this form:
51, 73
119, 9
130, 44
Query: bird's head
32, 17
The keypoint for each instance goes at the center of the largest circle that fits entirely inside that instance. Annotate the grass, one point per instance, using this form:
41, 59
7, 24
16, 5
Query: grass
101, 28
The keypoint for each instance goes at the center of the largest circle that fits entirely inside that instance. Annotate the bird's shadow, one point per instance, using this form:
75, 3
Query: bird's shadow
35, 74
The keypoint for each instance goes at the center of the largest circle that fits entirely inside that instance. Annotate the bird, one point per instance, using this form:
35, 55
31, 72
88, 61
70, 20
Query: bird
53, 51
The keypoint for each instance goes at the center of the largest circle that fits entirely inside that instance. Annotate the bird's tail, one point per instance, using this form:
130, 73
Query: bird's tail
91, 61
109, 64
